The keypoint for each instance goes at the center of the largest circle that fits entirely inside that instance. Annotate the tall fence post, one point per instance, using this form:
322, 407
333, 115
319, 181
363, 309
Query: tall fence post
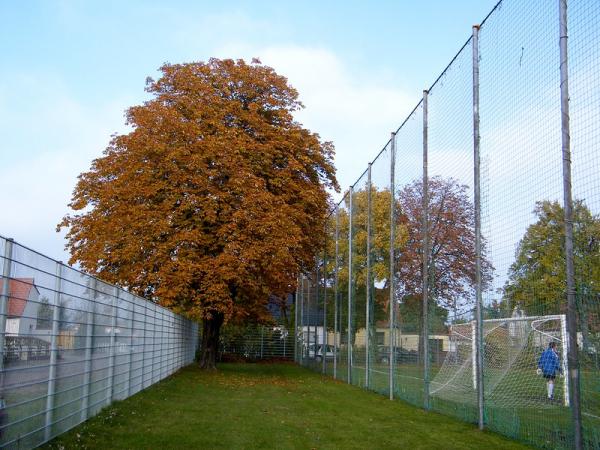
426, 262
477, 210
50, 397
262, 341
161, 350
392, 283
573, 356
145, 318
130, 348
89, 341
368, 328
296, 311
7, 268
113, 339
336, 339
309, 315
325, 340
153, 378
316, 314
350, 194
302, 350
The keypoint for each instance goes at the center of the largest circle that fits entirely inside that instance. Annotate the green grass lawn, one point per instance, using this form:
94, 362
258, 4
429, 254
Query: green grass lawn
269, 406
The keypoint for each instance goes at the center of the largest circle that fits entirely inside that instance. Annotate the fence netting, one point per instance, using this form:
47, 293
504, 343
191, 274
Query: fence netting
74, 344
392, 303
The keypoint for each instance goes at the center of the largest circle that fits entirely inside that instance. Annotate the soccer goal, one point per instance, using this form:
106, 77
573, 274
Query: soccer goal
512, 347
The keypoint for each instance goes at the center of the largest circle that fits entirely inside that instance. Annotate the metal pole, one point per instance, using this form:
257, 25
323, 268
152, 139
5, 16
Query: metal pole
160, 340
8, 255
392, 283
130, 349
262, 338
113, 338
564, 357
89, 341
161, 350
325, 340
53, 353
336, 292
296, 334
425, 288
153, 337
477, 194
284, 346
145, 318
573, 356
316, 315
351, 194
308, 283
303, 349
368, 293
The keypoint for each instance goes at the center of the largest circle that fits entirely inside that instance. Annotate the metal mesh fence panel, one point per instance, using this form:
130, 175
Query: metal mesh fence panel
255, 343
481, 178
314, 320
520, 117
408, 340
329, 298
344, 351
71, 345
451, 234
584, 80
358, 294
379, 289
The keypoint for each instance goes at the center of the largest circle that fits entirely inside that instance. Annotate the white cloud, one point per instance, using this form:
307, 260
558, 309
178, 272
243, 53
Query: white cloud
39, 170
357, 115
66, 134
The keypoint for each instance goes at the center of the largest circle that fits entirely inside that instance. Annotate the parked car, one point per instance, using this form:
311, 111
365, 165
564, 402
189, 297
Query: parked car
401, 355
329, 352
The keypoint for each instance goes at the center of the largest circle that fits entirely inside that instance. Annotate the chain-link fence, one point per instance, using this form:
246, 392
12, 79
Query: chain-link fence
71, 344
461, 271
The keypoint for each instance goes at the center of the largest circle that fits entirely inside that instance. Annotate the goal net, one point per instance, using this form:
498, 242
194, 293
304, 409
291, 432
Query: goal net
512, 348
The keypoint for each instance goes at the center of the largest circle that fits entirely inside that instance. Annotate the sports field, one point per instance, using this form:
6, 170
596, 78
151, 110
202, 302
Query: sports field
269, 406
517, 407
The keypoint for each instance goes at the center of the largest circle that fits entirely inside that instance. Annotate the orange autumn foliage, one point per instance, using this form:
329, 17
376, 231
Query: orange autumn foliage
214, 200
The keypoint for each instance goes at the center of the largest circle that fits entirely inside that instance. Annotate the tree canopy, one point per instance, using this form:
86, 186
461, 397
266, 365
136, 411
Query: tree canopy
537, 277
452, 250
213, 201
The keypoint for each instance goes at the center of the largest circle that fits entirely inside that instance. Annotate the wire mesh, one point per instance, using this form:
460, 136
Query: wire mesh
379, 301
584, 68
408, 345
256, 343
520, 57
357, 322
329, 298
429, 354
72, 345
451, 228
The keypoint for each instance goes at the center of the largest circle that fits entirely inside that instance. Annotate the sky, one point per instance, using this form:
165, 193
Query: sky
69, 70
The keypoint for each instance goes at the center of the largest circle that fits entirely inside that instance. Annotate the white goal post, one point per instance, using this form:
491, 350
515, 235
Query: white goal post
512, 347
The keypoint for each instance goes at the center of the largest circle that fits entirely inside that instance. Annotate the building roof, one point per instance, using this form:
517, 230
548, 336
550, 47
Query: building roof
18, 294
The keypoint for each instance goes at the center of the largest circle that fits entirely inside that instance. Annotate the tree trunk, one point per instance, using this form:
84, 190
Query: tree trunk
210, 342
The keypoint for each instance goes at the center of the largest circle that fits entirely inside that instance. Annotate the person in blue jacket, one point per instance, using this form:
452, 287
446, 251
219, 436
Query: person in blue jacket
549, 367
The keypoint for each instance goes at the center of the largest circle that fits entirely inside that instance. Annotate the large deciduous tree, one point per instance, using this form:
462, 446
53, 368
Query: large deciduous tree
537, 277
212, 202
451, 259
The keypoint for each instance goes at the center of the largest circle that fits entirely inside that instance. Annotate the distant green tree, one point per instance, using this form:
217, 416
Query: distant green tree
537, 278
